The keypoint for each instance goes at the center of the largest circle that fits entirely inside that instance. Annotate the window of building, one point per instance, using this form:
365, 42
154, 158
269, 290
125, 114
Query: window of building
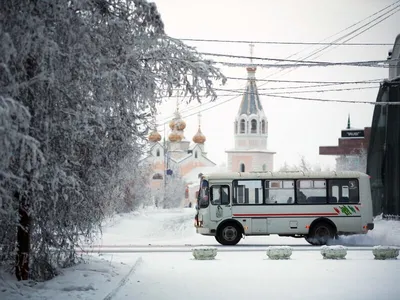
158, 152
236, 127
242, 167
157, 176
247, 192
253, 126
279, 191
242, 126
264, 167
195, 154
263, 126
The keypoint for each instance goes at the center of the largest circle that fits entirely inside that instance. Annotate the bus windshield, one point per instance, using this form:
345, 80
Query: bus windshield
204, 194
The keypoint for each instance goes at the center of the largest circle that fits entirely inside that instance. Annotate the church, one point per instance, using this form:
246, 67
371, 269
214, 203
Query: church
250, 130
179, 155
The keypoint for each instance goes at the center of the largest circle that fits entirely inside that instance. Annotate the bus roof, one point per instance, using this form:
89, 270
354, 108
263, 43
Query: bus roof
283, 175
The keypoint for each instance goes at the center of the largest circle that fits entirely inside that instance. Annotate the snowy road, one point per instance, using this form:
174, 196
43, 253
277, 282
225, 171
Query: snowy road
147, 256
188, 248
242, 275
158, 229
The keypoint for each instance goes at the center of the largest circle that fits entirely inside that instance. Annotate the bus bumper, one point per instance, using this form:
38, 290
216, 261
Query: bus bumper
204, 231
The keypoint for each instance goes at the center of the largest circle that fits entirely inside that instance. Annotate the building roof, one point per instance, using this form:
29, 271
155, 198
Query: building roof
251, 100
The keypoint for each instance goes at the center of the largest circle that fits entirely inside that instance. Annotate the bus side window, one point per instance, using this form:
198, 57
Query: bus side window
311, 191
220, 195
344, 190
279, 191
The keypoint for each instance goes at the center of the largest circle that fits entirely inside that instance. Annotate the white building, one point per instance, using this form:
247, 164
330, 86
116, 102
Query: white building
177, 155
250, 133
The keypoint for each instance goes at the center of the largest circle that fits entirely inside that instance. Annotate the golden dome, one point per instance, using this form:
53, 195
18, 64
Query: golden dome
177, 123
199, 137
172, 124
175, 136
180, 124
154, 136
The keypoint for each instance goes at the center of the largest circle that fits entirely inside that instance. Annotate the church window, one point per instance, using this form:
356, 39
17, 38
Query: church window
195, 154
263, 126
253, 126
242, 167
158, 152
236, 127
157, 176
242, 126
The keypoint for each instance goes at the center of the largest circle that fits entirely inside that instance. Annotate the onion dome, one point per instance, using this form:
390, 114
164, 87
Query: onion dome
177, 122
154, 136
175, 136
172, 124
180, 124
199, 137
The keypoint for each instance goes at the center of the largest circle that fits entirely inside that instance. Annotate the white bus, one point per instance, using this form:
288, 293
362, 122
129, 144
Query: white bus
317, 206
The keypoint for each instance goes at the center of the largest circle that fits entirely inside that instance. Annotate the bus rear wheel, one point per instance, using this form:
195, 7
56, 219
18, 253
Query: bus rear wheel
229, 234
320, 234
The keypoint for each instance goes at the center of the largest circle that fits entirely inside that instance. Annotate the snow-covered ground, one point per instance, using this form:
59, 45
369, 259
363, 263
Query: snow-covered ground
234, 274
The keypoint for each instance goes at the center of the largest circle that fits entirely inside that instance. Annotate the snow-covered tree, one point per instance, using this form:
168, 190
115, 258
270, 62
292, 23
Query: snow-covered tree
356, 161
303, 165
79, 82
174, 192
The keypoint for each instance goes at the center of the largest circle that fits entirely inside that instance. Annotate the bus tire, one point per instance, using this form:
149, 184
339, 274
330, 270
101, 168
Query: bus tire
229, 234
217, 239
320, 233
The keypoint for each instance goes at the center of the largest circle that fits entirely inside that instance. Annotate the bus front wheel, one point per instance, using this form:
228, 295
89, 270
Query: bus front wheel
320, 234
229, 234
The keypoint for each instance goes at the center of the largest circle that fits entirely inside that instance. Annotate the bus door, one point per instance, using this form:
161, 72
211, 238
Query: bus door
220, 202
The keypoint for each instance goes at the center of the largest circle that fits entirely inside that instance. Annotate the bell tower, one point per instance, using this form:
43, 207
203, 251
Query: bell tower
250, 130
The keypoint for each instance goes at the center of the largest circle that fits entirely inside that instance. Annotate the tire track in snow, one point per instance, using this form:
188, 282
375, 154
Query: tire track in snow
124, 279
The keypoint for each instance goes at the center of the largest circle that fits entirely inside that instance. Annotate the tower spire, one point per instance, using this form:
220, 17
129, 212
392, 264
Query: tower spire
199, 116
251, 71
348, 122
251, 52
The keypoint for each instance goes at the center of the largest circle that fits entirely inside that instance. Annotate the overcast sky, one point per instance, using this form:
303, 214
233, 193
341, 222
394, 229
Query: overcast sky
296, 127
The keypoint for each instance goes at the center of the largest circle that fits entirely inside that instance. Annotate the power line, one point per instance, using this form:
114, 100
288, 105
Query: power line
316, 84
294, 98
357, 29
369, 64
335, 41
291, 60
308, 81
318, 51
283, 43
373, 25
243, 92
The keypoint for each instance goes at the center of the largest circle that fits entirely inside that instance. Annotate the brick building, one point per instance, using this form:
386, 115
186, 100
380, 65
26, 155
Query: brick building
351, 150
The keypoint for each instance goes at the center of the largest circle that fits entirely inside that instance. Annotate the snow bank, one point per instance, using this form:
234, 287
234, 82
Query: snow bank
333, 252
94, 279
279, 252
204, 253
385, 252
149, 226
